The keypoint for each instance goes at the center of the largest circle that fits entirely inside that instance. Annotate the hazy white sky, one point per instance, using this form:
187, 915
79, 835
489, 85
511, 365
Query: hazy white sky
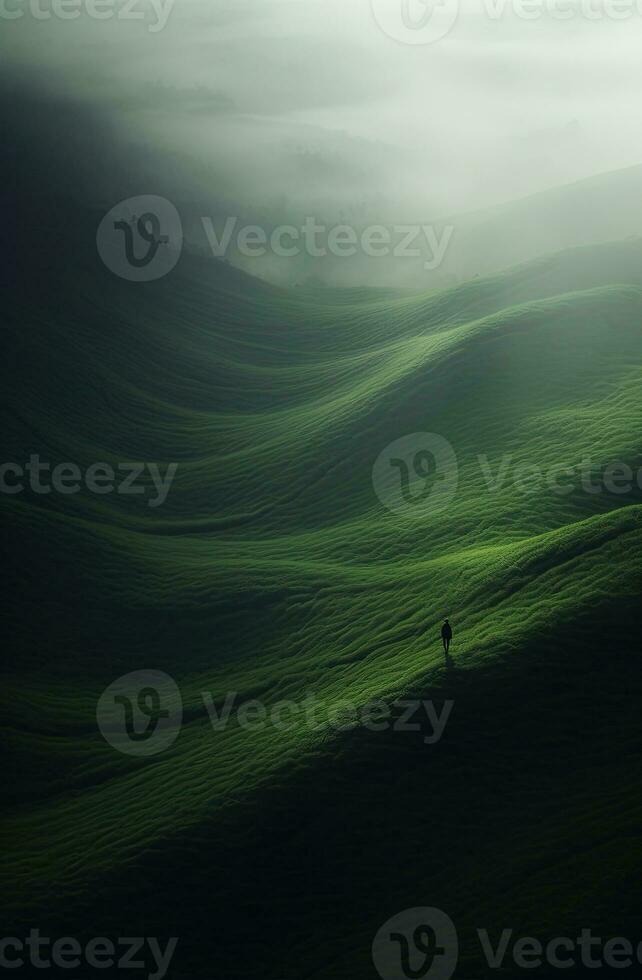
313, 102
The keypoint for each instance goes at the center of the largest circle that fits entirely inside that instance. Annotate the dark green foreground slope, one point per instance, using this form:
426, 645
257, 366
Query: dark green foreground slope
273, 570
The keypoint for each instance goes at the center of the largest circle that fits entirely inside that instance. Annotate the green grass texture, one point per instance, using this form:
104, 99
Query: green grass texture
274, 570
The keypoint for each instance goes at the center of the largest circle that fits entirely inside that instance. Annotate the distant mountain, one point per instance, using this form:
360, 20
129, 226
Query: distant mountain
605, 208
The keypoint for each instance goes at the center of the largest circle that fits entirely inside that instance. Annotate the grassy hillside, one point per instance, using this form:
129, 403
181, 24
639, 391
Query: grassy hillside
273, 570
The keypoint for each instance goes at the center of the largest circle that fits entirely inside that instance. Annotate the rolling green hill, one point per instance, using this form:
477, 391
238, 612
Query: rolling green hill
274, 570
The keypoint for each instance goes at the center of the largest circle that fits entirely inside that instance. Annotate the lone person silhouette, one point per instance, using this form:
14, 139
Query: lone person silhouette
446, 636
